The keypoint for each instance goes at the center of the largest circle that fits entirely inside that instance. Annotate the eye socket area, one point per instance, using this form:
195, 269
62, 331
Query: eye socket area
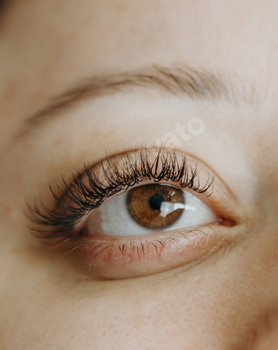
74, 224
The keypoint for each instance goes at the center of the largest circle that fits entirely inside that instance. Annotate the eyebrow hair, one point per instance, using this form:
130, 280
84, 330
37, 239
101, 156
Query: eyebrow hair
182, 80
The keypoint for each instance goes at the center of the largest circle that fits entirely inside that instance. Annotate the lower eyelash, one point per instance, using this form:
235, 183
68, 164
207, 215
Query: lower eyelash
130, 258
92, 186
158, 244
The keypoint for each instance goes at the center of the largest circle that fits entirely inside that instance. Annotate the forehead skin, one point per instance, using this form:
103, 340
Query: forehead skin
45, 46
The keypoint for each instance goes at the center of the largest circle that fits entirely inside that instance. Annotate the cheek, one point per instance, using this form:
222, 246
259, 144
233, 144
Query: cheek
226, 302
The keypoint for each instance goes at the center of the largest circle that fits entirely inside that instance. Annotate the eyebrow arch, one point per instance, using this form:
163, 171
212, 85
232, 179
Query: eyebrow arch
182, 80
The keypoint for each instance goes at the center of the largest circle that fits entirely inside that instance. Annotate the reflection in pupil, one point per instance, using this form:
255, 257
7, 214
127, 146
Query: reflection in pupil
155, 201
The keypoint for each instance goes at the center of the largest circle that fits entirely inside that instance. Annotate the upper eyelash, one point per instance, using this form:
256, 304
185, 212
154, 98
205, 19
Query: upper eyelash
62, 217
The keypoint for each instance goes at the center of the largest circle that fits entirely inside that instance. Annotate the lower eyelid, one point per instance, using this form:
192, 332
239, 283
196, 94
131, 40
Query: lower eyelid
129, 258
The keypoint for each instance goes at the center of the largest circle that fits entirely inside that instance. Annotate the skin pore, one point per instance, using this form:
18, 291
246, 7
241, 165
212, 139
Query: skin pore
227, 300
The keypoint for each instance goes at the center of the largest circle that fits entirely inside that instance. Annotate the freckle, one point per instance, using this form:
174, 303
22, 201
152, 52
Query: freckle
8, 209
28, 145
18, 178
121, 8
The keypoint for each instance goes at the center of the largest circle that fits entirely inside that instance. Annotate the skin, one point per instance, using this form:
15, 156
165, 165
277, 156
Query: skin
227, 301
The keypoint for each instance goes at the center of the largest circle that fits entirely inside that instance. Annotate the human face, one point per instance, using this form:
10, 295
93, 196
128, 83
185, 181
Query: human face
197, 77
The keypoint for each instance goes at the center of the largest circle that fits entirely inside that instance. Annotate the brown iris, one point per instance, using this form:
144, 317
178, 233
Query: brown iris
155, 206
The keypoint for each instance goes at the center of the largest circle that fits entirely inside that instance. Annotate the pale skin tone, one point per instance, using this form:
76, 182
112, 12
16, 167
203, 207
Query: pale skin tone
227, 301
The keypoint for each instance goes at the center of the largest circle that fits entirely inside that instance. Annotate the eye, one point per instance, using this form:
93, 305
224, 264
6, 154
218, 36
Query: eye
136, 214
147, 209
127, 232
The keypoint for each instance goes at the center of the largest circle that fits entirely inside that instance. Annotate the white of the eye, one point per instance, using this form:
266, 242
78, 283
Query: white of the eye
116, 221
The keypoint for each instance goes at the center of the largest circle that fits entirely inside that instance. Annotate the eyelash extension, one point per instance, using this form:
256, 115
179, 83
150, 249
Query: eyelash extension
75, 199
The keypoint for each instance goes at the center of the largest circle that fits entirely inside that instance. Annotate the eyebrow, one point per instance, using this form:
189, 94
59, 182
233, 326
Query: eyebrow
182, 80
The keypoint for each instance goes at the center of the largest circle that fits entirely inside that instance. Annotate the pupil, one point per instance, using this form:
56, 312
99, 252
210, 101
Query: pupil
155, 201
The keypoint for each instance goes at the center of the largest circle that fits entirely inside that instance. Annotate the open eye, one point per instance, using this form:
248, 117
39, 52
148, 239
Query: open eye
148, 209
148, 229
137, 214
